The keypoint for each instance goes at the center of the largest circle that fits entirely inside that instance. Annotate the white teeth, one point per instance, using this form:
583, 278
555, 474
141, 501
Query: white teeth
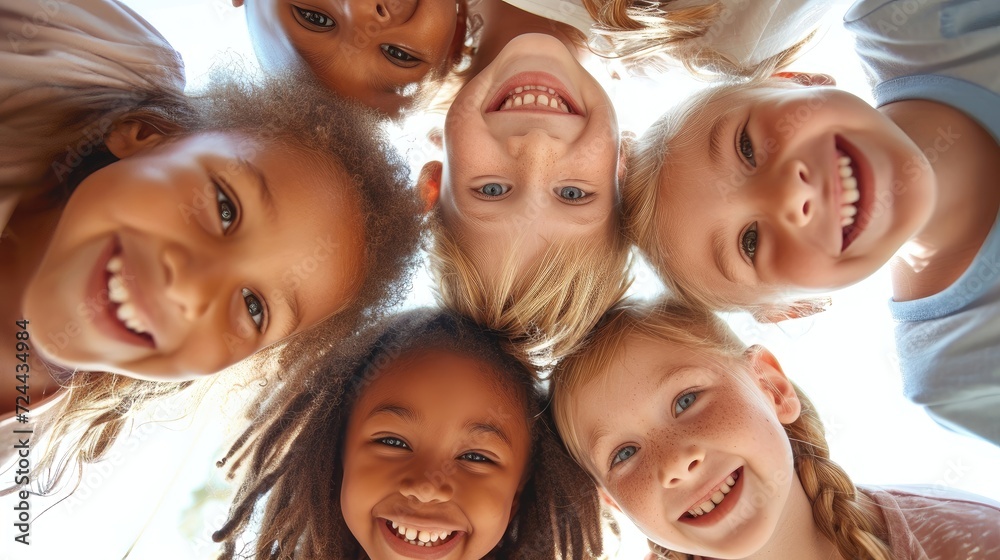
707, 506
114, 264
848, 211
116, 289
419, 538
411, 534
725, 489
717, 497
845, 171
546, 97
424, 536
730, 481
844, 222
850, 194
395, 525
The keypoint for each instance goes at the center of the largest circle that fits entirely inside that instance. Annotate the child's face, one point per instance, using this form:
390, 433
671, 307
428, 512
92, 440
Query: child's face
368, 50
527, 174
190, 255
756, 200
666, 430
438, 446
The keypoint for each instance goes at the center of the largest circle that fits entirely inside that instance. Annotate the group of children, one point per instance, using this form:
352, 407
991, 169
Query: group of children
153, 237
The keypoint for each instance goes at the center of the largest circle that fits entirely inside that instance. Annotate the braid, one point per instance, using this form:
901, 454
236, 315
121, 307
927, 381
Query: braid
837, 511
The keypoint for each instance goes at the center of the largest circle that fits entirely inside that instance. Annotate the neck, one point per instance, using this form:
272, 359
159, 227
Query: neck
796, 536
502, 22
964, 160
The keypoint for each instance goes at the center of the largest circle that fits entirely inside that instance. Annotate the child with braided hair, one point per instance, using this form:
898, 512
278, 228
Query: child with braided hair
419, 438
713, 452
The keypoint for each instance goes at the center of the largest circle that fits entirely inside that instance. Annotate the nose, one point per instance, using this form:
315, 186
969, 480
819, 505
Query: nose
798, 197
685, 462
426, 486
536, 148
386, 12
188, 282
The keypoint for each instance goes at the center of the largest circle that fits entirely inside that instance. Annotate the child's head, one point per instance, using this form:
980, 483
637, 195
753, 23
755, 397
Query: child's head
377, 52
528, 192
760, 191
424, 432
228, 222
700, 440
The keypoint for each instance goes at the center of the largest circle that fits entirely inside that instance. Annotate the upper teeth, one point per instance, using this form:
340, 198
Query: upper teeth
420, 538
538, 96
849, 199
715, 499
118, 293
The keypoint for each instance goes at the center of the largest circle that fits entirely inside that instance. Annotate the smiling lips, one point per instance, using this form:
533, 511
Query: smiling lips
121, 298
535, 97
420, 538
715, 498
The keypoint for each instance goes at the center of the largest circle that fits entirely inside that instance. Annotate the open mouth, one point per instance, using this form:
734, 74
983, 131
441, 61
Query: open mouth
428, 539
855, 196
718, 503
536, 92
121, 303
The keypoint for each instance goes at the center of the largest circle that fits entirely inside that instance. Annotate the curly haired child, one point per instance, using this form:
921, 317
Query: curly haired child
756, 193
192, 233
713, 452
421, 432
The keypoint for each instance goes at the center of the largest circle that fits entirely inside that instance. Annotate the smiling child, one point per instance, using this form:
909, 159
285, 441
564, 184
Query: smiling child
760, 193
712, 451
420, 440
527, 239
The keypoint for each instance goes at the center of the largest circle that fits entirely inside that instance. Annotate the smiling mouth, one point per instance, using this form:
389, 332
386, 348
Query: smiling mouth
429, 539
535, 97
120, 298
717, 497
854, 194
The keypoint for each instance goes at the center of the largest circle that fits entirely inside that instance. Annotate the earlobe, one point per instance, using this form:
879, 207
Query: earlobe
808, 78
131, 137
627, 145
607, 500
772, 380
429, 184
237, 3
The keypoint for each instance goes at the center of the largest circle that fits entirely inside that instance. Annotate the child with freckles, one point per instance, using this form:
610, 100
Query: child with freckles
713, 452
759, 194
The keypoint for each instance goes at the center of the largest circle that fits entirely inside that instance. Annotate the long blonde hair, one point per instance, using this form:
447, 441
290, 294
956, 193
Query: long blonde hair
545, 310
644, 33
839, 510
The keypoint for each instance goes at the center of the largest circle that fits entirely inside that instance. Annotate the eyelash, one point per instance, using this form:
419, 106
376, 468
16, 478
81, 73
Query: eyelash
470, 456
489, 196
617, 459
316, 19
744, 145
252, 301
398, 443
474, 457
399, 57
748, 241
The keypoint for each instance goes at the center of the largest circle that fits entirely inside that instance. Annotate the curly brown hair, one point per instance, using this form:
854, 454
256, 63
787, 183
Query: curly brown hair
293, 458
293, 111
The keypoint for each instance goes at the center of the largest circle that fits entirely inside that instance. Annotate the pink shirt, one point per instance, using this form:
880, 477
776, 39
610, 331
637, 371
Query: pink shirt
926, 524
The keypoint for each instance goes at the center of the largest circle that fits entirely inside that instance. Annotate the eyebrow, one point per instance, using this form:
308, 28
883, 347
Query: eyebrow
715, 137
263, 190
486, 428
397, 410
474, 427
719, 251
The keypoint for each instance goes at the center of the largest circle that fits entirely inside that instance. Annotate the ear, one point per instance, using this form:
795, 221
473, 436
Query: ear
131, 137
775, 384
607, 500
237, 3
807, 78
429, 184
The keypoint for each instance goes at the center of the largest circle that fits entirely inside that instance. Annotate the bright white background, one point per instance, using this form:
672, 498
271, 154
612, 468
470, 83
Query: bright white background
161, 496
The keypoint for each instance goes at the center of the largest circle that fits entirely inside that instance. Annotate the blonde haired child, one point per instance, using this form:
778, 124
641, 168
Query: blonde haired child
758, 193
713, 452
526, 239
419, 437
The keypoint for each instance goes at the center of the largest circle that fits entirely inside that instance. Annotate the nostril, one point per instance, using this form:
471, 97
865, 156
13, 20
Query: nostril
693, 464
380, 10
802, 175
805, 208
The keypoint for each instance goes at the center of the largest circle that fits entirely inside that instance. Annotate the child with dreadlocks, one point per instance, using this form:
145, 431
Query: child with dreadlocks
419, 438
713, 452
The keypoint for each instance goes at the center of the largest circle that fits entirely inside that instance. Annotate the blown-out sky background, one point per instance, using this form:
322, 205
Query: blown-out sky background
161, 496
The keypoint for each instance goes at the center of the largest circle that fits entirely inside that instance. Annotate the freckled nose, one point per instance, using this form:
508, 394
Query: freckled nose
675, 471
535, 145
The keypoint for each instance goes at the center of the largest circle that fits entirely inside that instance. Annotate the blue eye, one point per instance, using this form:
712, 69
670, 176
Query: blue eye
572, 193
494, 189
316, 19
624, 454
684, 402
254, 307
393, 442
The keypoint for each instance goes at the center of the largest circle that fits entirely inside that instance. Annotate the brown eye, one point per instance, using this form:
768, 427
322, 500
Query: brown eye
314, 19
227, 210
748, 241
254, 307
398, 56
746, 149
